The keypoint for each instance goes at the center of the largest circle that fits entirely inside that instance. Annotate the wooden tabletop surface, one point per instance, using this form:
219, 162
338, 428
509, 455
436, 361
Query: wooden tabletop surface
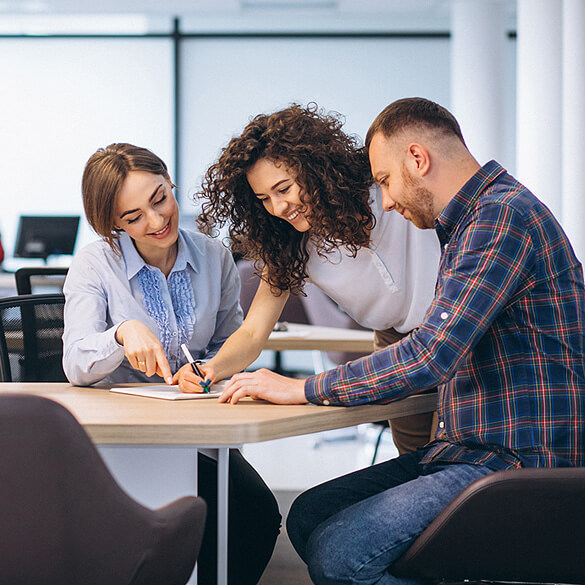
111, 418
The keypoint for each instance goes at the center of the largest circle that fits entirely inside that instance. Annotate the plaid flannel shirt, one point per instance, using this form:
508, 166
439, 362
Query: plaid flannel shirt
503, 339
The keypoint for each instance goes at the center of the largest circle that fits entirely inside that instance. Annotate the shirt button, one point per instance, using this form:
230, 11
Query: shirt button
174, 334
326, 403
445, 246
444, 315
442, 425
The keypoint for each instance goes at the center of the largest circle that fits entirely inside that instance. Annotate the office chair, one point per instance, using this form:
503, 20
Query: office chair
23, 277
521, 526
322, 310
31, 346
293, 311
65, 519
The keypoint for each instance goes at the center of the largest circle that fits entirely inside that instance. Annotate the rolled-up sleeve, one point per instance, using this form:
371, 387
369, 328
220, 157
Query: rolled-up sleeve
489, 264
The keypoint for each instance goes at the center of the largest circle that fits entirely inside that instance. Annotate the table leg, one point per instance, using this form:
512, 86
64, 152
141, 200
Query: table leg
223, 456
194, 579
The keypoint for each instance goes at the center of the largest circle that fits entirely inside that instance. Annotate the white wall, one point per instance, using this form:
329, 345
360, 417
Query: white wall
228, 81
61, 99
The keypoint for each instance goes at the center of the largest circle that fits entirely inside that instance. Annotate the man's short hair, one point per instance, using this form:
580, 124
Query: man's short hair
413, 112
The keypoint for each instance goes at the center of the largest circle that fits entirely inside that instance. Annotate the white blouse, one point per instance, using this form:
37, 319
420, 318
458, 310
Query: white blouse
391, 283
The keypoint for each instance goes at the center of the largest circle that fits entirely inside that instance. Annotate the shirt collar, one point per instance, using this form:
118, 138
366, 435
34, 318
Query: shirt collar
135, 262
465, 199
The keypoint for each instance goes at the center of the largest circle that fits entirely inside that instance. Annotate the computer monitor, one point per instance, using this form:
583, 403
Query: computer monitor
43, 236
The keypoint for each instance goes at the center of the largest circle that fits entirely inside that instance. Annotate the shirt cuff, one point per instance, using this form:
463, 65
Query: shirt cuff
316, 390
111, 349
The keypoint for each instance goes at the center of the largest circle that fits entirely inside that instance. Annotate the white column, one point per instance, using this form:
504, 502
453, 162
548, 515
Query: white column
538, 106
478, 39
573, 124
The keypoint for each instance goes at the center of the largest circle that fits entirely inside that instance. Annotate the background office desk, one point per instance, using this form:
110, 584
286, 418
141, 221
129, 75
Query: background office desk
313, 337
40, 284
118, 419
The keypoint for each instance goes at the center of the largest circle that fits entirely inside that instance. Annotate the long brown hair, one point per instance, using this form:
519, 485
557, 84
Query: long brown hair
331, 168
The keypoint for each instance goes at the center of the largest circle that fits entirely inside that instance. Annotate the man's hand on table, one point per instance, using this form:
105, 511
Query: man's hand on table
266, 385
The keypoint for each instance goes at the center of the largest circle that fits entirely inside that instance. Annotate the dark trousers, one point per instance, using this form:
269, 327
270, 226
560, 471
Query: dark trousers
253, 522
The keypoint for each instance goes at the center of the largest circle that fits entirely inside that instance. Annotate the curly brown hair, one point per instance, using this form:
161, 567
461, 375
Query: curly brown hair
333, 172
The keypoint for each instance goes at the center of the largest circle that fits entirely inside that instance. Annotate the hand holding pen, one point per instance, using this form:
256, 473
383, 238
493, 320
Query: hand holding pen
205, 384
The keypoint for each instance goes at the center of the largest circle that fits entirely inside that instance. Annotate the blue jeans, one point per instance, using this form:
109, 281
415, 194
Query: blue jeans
350, 530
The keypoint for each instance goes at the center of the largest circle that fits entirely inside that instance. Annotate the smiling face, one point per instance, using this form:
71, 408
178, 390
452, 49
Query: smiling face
147, 211
401, 190
275, 185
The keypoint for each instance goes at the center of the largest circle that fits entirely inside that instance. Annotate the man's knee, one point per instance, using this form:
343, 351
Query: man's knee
326, 563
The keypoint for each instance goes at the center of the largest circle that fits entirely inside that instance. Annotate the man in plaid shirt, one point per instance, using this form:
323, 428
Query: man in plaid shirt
503, 340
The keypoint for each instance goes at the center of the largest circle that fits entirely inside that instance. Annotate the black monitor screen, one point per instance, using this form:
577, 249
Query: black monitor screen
43, 236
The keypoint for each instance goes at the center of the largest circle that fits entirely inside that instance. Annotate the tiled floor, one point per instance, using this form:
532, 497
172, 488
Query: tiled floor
297, 463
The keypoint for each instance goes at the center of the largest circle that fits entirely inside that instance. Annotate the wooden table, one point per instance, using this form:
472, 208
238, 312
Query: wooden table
119, 419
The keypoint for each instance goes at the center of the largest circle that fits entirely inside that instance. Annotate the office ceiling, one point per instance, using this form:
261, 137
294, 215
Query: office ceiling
193, 7
241, 14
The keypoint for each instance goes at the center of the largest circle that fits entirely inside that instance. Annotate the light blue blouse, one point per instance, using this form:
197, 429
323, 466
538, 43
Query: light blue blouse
198, 304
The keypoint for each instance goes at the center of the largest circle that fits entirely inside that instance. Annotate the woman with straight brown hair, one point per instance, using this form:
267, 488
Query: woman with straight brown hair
134, 297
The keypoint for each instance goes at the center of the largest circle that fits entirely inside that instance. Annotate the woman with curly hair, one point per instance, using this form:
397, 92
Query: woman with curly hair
297, 194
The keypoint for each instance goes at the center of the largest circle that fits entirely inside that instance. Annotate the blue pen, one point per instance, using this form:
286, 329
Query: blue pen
196, 370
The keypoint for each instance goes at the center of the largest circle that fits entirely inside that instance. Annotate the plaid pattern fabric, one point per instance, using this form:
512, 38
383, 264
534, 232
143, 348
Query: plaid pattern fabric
503, 338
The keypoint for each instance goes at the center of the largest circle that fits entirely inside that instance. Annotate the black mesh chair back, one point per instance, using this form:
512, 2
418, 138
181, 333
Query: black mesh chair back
51, 276
31, 345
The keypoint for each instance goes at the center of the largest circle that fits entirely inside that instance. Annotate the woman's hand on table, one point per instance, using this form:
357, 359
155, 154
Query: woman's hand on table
266, 385
189, 382
143, 349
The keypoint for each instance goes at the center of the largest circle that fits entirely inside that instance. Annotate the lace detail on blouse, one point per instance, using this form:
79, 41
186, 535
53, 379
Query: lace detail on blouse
182, 299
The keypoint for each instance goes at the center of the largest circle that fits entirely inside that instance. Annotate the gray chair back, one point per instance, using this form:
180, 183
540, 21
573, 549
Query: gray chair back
522, 526
65, 520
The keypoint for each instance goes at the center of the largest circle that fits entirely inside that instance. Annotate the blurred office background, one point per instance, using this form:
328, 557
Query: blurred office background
181, 77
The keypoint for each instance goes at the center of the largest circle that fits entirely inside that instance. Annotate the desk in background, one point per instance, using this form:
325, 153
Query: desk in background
7, 284
313, 337
122, 420
40, 284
